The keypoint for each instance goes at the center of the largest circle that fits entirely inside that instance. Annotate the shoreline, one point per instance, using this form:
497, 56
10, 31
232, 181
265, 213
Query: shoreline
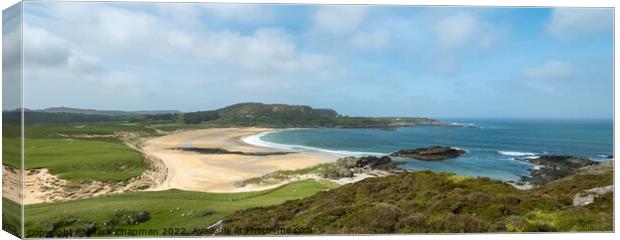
256, 141
173, 168
219, 172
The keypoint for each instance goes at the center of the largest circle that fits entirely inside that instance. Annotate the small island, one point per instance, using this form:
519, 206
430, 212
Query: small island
434, 153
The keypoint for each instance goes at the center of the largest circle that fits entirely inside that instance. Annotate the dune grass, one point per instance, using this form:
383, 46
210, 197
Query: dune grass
172, 209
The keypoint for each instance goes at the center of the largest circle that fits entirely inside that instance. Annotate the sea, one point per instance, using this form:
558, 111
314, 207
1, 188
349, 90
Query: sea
495, 148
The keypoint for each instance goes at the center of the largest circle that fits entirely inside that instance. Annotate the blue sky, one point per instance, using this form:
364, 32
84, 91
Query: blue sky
358, 60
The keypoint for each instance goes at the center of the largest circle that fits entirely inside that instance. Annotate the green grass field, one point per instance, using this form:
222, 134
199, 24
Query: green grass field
78, 159
11, 151
10, 216
68, 151
168, 209
71, 152
56, 130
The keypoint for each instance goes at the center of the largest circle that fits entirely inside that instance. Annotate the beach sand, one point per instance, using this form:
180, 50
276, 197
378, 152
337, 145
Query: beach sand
171, 168
218, 172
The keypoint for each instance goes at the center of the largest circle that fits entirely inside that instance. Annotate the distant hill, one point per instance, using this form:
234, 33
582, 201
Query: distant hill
427, 202
76, 115
283, 115
237, 115
106, 112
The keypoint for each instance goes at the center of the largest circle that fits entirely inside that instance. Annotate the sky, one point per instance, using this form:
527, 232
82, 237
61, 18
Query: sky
359, 60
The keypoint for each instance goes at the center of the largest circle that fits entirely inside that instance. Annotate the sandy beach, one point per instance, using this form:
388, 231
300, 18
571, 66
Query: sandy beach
172, 168
218, 172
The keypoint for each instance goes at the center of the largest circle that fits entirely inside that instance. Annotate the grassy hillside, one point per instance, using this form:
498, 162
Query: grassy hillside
281, 115
77, 159
79, 151
427, 202
171, 212
11, 212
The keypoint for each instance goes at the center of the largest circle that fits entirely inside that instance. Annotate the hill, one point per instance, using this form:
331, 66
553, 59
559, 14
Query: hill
106, 112
427, 202
237, 115
76, 115
282, 115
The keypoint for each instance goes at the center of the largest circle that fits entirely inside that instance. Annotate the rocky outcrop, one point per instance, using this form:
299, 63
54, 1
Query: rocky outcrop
582, 199
434, 153
553, 167
349, 166
369, 162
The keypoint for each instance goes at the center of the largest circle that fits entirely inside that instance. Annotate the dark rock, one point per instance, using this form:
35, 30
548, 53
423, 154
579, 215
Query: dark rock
224, 151
372, 162
554, 167
434, 153
348, 166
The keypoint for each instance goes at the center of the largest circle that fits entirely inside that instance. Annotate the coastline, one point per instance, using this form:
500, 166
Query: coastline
256, 141
178, 168
174, 168
219, 172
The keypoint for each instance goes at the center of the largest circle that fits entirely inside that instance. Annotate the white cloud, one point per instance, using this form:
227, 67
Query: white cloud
456, 30
464, 30
266, 53
578, 22
550, 70
52, 60
46, 51
11, 34
458, 34
339, 20
11, 58
43, 48
242, 13
123, 26
187, 13
180, 39
263, 60
84, 64
374, 40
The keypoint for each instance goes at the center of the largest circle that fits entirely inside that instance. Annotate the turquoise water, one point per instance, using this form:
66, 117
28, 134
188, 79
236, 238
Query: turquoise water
494, 147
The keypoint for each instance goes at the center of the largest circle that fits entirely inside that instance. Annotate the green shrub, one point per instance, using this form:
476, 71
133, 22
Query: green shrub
125, 217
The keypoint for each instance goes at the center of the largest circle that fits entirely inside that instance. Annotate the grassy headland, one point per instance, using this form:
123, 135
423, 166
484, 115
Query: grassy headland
283, 116
427, 202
